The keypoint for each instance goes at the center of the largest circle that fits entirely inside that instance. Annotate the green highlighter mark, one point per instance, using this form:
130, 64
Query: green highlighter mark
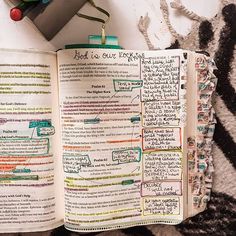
22, 171
19, 177
127, 182
135, 119
92, 121
42, 123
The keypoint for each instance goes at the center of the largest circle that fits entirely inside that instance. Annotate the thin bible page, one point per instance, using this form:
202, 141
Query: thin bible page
123, 118
29, 142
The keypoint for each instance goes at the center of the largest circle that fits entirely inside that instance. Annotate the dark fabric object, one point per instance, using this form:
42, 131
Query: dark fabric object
205, 34
224, 57
218, 220
225, 142
137, 231
174, 45
61, 231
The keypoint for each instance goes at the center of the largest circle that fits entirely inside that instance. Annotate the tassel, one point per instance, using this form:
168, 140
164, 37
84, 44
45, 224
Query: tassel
165, 12
176, 4
143, 26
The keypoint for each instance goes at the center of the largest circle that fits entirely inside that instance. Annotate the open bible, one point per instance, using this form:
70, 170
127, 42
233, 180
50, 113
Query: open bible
100, 139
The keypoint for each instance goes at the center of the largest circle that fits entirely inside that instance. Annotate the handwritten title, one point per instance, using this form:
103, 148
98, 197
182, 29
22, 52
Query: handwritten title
86, 55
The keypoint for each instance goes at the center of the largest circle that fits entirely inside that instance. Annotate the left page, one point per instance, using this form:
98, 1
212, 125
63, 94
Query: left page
29, 142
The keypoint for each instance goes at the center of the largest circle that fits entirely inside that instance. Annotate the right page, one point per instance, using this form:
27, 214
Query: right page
124, 136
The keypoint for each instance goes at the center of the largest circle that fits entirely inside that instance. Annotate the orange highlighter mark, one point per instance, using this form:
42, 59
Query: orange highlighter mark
124, 141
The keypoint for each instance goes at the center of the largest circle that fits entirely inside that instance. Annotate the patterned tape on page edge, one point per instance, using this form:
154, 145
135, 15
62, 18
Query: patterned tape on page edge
200, 162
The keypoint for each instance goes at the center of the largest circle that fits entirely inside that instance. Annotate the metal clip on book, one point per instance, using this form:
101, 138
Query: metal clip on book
98, 41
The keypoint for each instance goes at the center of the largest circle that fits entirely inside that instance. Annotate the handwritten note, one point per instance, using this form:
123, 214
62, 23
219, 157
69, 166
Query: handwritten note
45, 131
161, 138
161, 113
126, 85
162, 165
161, 206
73, 164
127, 155
160, 78
24, 147
161, 188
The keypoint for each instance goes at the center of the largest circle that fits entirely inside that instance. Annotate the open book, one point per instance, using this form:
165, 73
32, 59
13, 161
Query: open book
100, 139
